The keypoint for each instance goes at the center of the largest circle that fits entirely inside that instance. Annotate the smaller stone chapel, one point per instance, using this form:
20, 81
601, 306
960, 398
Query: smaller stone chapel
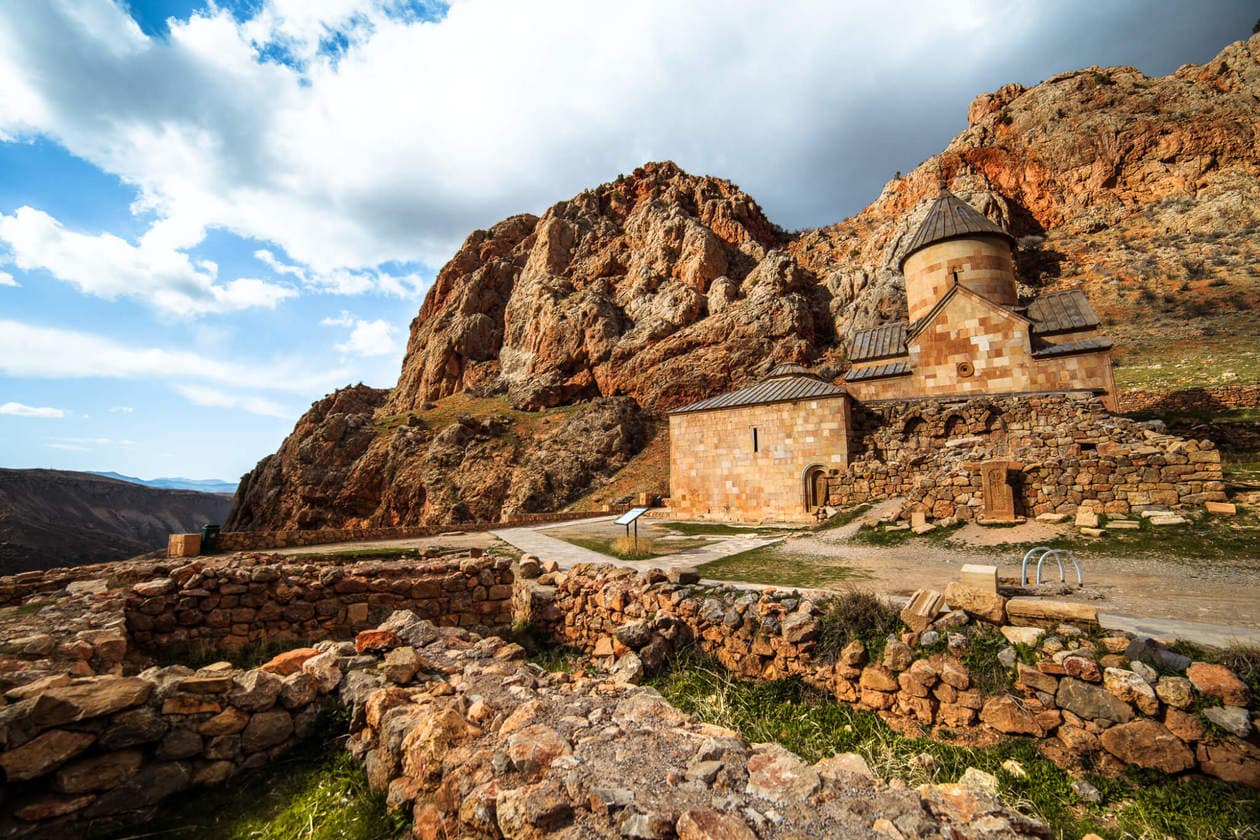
768, 451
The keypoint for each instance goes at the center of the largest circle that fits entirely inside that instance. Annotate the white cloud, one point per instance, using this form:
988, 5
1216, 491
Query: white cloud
154, 271
121, 409
367, 338
391, 147
6, 279
17, 409
221, 399
52, 353
68, 447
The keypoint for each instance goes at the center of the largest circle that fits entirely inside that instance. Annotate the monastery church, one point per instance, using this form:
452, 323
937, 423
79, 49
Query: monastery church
764, 452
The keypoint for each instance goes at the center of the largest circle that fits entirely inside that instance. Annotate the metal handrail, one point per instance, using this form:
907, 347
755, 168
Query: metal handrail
1057, 554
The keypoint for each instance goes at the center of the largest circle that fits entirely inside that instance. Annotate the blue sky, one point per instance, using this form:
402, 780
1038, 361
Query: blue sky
213, 214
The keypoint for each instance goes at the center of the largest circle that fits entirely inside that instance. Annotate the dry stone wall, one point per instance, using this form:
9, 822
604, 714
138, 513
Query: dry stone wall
1069, 451
1190, 400
92, 740
1081, 691
255, 598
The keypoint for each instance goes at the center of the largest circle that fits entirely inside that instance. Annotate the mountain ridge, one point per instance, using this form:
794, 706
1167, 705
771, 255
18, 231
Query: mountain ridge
202, 485
51, 518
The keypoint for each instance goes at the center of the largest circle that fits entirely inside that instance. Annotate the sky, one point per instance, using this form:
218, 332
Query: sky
214, 213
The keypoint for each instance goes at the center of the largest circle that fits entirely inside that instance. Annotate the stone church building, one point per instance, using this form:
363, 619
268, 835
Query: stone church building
963, 366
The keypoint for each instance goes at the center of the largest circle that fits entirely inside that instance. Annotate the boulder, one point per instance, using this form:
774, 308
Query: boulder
1131, 688
266, 730
778, 775
1006, 715
376, 641
1231, 759
401, 664
410, 628
987, 606
1232, 719
43, 753
255, 690
532, 749
289, 662
707, 824
532, 811
1028, 636
89, 698
1091, 702
1219, 682
925, 605
1147, 744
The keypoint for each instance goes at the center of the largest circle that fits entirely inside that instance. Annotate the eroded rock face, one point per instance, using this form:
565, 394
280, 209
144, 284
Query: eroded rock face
344, 465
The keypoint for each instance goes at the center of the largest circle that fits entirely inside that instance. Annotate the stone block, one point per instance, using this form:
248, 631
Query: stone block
1221, 508
1086, 518
925, 605
978, 603
1036, 612
982, 578
183, 545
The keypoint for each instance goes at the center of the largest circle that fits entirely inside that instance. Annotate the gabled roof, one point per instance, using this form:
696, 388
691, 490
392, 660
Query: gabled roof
1059, 312
886, 341
951, 218
1067, 348
940, 305
877, 371
778, 389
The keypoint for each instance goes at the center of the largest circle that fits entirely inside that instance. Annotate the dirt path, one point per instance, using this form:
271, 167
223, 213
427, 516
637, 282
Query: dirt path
1148, 587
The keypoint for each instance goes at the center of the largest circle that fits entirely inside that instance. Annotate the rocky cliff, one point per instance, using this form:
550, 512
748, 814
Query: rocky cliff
662, 287
51, 518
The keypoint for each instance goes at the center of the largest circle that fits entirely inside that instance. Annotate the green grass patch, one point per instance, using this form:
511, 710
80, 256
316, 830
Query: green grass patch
648, 548
877, 536
720, 529
29, 607
844, 517
855, 615
200, 654
1205, 540
774, 565
815, 726
314, 792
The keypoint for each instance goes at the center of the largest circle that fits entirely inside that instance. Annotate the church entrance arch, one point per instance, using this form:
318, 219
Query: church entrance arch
815, 488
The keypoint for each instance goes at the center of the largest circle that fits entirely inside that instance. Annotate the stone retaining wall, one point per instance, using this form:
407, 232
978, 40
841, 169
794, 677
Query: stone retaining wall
1069, 450
230, 603
85, 750
1094, 693
261, 540
1212, 398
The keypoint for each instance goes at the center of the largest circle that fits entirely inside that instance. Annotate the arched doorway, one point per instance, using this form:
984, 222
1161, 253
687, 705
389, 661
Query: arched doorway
815, 488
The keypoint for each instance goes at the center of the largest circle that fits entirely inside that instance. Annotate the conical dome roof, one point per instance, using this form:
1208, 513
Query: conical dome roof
951, 218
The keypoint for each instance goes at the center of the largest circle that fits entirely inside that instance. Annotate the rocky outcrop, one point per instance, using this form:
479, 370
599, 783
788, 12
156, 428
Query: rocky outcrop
52, 518
344, 466
666, 287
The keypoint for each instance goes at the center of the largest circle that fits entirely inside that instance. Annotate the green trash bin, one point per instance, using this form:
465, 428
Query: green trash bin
209, 539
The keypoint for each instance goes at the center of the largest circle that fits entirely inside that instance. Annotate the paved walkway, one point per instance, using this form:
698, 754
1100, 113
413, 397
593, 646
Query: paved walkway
531, 540
1213, 635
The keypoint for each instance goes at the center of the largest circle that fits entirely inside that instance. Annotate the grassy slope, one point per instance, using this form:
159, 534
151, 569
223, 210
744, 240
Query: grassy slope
314, 792
1141, 804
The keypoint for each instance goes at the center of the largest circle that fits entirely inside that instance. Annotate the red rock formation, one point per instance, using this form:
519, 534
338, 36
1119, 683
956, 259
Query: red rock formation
667, 287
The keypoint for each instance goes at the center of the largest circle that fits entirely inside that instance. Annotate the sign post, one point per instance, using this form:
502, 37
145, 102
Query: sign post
629, 517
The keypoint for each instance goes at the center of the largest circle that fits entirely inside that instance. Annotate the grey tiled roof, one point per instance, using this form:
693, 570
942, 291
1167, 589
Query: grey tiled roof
950, 218
768, 391
882, 342
877, 372
1062, 312
1067, 348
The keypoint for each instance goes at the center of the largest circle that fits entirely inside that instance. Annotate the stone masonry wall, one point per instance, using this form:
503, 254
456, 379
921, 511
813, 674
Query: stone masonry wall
1072, 453
1082, 692
85, 750
1212, 398
715, 473
257, 598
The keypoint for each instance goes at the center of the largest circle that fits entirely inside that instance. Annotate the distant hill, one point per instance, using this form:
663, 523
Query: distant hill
52, 518
202, 485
